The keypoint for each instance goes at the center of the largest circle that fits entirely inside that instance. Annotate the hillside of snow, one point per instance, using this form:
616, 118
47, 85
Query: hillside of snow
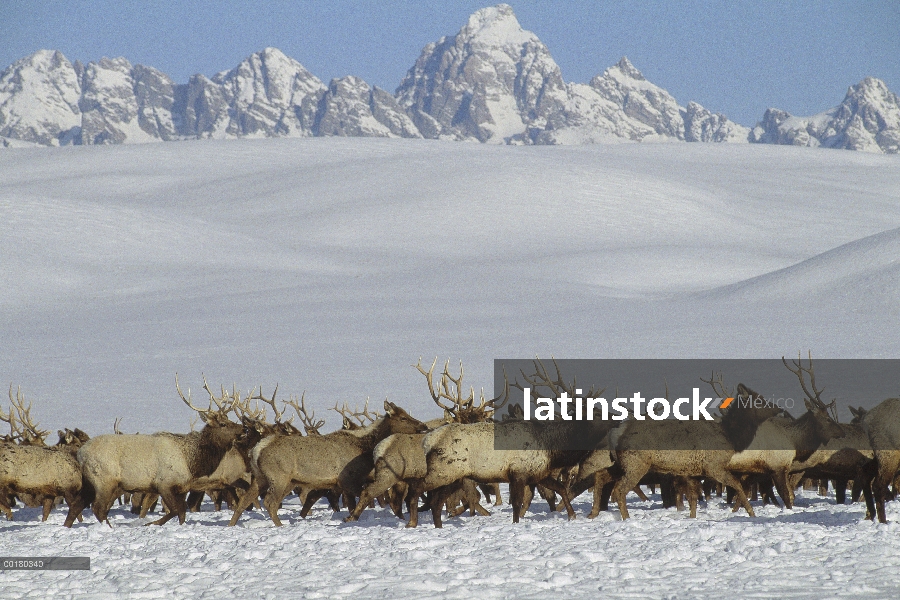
330, 265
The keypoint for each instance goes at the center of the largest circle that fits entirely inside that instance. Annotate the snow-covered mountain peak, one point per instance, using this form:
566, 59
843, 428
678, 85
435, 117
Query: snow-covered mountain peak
39, 97
625, 70
492, 81
868, 119
495, 26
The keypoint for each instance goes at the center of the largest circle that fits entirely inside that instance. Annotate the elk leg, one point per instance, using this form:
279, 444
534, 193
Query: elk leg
517, 489
784, 490
47, 506
148, 503
311, 498
176, 505
103, 502
416, 489
601, 478
274, 496
560, 488
5, 501
640, 494
438, 498
728, 479
472, 499
840, 491
527, 497
136, 500
194, 500
244, 501
634, 468
76, 505
549, 495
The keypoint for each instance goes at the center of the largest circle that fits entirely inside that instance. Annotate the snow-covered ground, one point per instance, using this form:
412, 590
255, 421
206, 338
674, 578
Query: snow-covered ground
330, 265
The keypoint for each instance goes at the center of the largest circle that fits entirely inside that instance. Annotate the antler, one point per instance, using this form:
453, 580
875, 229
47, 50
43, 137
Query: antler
717, 382
799, 371
463, 409
259, 413
443, 391
362, 417
15, 433
556, 386
308, 419
29, 433
224, 405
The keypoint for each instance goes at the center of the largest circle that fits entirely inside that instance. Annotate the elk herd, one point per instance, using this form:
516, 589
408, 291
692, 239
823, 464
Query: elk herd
250, 455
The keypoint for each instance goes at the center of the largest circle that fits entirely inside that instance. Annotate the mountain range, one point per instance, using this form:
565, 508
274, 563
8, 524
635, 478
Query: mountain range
492, 82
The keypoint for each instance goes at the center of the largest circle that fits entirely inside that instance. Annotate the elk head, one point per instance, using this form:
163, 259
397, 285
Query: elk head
824, 415
400, 421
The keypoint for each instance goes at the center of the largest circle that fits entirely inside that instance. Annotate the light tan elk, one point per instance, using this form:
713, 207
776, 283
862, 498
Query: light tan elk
233, 477
29, 469
400, 458
458, 451
320, 462
163, 463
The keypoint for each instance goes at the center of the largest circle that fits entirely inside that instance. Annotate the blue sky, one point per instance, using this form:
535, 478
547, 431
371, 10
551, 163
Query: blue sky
738, 58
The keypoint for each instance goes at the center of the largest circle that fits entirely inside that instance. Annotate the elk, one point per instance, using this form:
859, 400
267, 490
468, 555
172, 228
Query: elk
32, 470
882, 426
457, 451
779, 442
849, 457
400, 458
687, 448
163, 463
320, 462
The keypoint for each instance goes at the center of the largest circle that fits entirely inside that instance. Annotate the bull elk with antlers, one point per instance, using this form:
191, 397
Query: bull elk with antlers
321, 462
30, 469
458, 451
400, 459
163, 463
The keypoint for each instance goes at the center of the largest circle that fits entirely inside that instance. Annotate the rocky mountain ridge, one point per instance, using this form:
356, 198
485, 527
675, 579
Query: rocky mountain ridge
492, 82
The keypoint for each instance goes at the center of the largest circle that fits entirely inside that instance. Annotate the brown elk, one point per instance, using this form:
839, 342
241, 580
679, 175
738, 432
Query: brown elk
400, 458
31, 470
458, 451
882, 426
341, 458
780, 442
163, 463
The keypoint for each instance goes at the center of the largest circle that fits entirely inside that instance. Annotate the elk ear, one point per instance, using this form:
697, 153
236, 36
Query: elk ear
347, 424
389, 408
809, 405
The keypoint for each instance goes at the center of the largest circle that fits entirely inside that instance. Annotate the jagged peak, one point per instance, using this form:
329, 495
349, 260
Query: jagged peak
495, 26
868, 86
624, 65
50, 58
